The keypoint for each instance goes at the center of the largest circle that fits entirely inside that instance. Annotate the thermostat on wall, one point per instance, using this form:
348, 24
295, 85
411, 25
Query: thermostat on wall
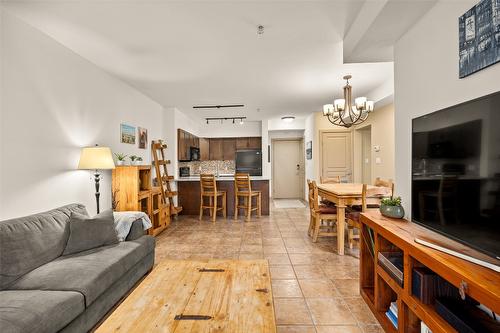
376, 148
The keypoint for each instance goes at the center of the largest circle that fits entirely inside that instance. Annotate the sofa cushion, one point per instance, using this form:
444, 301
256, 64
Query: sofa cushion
31, 241
38, 311
90, 272
86, 233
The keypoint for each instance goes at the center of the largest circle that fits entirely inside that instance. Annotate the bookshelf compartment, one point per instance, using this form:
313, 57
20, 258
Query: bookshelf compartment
367, 269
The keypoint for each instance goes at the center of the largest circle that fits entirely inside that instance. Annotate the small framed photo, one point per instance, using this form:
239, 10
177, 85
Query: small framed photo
127, 134
309, 150
143, 138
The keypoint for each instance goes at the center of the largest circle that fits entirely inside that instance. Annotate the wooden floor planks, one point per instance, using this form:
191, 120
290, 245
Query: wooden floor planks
177, 287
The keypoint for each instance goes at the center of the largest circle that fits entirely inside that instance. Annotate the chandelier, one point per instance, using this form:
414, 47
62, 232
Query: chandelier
346, 114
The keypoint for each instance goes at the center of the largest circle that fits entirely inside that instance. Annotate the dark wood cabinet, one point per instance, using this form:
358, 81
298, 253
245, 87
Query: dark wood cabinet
248, 143
204, 149
255, 143
213, 148
228, 149
216, 147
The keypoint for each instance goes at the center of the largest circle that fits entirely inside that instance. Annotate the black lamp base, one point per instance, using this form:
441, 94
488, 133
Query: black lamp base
97, 178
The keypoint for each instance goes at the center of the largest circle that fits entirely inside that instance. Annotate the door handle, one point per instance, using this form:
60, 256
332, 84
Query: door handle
298, 166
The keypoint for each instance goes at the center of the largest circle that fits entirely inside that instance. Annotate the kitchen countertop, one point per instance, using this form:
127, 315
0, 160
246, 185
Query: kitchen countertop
220, 178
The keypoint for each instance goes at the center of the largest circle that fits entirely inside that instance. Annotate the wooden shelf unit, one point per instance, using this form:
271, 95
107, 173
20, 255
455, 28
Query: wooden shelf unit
134, 192
379, 289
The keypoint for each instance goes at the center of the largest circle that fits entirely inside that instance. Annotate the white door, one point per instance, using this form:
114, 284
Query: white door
336, 156
287, 169
366, 156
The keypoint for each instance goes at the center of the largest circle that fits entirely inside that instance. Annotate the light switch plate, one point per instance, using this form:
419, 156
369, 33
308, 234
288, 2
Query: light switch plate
378, 160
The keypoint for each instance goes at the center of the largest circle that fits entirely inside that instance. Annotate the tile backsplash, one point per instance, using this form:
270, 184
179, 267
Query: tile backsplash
215, 167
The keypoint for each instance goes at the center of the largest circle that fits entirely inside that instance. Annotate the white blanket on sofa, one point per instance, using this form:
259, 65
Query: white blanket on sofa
124, 220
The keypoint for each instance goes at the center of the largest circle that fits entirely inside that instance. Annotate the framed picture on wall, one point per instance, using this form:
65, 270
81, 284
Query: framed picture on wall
309, 150
127, 134
143, 138
479, 37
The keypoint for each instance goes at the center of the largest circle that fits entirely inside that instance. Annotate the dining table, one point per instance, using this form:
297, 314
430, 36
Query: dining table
349, 194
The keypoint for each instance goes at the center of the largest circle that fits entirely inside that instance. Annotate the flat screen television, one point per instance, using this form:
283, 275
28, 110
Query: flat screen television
456, 173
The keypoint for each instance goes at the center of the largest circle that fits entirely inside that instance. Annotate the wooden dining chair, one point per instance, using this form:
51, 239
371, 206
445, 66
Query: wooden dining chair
208, 189
353, 215
330, 180
243, 189
323, 218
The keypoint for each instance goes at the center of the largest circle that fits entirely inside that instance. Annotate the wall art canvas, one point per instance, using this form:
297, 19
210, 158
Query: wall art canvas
127, 134
479, 37
143, 138
309, 150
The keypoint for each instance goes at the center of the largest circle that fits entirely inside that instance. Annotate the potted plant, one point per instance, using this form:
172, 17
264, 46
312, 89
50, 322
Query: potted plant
135, 160
391, 207
120, 158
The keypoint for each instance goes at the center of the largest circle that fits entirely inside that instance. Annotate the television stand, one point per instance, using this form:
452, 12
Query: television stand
379, 289
479, 262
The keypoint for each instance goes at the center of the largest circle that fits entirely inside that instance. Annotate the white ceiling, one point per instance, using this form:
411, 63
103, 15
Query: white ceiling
186, 53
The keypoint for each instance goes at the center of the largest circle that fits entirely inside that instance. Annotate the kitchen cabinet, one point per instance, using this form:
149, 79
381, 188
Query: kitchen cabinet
185, 141
204, 149
216, 147
228, 149
248, 143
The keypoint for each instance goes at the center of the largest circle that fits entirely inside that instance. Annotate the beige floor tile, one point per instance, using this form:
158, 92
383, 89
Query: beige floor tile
282, 272
330, 311
347, 287
341, 272
309, 272
274, 249
291, 311
301, 258
361, 311
277, 258
251, 256
249, 248
372, 329
318, 288
296, 329
338, 329
286, 288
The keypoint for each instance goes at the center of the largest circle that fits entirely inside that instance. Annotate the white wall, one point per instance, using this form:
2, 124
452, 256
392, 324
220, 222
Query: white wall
426, 79
229, 130
381, 123
55, 102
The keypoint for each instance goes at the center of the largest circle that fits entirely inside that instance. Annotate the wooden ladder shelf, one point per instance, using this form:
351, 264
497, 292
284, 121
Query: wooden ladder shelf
162, 178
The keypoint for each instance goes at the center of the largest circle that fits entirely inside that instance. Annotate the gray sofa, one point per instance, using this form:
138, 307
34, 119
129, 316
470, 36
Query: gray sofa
42, 291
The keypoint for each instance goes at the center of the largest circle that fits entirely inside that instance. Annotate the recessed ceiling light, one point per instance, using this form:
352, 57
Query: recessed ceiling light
241, 121
288, 119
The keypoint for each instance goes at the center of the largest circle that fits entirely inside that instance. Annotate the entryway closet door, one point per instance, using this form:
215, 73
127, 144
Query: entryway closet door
287, 169
336, 155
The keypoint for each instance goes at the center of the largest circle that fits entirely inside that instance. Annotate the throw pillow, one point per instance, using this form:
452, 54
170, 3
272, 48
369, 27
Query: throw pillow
86, 233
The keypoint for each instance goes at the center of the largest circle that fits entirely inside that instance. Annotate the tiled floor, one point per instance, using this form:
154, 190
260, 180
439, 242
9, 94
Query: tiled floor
314, 289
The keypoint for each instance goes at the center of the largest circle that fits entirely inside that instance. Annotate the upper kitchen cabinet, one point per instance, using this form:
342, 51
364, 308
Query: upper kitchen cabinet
185, 141
229, 149
204, 149
216, 149
248, 143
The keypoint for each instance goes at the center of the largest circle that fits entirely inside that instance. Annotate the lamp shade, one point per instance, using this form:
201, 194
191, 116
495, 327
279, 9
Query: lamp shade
96, 158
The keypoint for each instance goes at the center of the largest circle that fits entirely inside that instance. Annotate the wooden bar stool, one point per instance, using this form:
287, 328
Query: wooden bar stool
323, 218
208, 188
243, 188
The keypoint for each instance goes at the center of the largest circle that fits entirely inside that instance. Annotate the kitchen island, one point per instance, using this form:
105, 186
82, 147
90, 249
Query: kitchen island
189, 193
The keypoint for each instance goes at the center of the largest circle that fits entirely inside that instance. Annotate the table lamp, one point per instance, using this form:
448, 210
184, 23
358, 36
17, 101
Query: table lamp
96, 158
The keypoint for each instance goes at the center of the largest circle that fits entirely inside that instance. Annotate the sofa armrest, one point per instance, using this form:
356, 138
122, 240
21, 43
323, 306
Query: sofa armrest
136, 230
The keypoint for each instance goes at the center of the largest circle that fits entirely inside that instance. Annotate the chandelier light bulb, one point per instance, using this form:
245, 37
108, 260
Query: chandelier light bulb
327, 109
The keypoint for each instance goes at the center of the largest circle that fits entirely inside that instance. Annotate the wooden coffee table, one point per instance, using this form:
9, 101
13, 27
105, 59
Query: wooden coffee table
198, 296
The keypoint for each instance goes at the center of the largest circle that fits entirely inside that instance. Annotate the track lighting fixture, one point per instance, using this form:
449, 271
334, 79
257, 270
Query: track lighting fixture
240, 119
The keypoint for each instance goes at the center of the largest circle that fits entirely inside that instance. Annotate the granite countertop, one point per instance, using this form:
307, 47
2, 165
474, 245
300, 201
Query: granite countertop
219, 178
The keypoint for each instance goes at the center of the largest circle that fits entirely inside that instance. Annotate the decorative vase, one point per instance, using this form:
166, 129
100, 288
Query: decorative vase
118, 162
396, 212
